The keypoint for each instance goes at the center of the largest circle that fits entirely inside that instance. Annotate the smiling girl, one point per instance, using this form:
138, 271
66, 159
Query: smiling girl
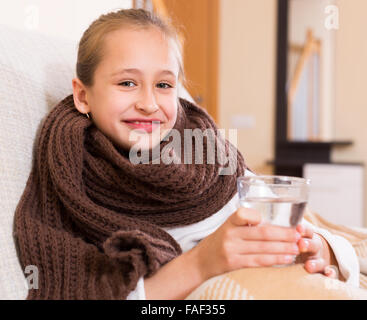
135, 79
99, 227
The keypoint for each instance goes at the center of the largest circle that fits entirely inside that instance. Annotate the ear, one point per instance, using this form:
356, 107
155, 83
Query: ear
80, 96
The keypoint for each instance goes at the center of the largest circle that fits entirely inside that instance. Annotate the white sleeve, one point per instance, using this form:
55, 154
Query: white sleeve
344, 254
139, 292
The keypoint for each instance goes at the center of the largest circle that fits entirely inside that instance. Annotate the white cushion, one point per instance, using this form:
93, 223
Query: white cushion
35, 73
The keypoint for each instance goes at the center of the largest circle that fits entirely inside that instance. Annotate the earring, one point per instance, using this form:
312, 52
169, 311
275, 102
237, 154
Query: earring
87, 115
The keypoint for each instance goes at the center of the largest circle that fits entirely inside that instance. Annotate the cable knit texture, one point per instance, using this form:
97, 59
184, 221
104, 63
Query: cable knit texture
91, 220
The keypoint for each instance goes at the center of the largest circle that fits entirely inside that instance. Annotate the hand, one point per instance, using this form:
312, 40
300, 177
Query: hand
237, 245
315, 253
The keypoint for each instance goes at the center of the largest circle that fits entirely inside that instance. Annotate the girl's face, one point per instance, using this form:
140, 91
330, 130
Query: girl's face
136, 79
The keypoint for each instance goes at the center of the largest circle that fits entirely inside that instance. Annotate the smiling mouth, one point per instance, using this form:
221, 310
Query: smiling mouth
147, 126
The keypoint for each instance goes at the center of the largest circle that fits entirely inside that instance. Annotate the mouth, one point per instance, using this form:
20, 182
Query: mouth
147, 126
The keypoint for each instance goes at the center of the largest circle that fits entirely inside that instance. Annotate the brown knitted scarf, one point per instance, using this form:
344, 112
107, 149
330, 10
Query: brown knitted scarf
92, 221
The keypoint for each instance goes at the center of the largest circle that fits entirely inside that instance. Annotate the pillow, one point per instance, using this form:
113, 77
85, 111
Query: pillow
275, 283
35, 73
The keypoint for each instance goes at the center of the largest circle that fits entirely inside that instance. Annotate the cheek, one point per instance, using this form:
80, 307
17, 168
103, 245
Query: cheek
107, 119
109, 111
103, 118
172, 115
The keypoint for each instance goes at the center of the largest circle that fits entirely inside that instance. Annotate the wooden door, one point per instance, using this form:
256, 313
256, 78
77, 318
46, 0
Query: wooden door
198, 20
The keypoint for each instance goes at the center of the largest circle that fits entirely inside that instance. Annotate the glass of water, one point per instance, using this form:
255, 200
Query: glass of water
281, 200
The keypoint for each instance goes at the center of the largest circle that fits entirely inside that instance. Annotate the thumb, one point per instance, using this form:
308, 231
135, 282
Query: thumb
245, 216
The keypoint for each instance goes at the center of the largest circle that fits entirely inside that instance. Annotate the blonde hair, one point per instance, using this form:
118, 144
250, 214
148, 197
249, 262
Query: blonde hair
90, 51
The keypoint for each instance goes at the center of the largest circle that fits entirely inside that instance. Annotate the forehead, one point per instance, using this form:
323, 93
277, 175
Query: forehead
143, 48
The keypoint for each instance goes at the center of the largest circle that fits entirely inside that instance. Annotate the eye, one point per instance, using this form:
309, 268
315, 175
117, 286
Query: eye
169, 86
124, 82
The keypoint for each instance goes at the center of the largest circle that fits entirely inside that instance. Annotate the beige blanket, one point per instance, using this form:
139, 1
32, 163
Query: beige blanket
290, 282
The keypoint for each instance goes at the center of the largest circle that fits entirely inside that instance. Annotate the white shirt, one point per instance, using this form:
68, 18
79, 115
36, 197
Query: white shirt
189, 236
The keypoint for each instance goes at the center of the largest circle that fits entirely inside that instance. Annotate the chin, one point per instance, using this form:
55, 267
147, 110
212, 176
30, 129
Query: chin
143, 146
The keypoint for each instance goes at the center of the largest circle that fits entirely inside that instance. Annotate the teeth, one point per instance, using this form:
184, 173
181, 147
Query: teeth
145, 122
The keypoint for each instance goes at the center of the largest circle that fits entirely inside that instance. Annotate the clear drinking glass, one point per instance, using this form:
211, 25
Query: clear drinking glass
281, 200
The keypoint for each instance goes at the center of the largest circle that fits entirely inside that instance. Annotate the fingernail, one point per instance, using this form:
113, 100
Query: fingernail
289, 259
304, 246
328, 271
331, 271
312, 264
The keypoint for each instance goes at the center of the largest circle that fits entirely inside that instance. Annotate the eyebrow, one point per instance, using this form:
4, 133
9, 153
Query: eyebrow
134, 70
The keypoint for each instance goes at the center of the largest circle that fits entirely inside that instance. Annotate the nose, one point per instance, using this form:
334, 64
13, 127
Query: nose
147, 102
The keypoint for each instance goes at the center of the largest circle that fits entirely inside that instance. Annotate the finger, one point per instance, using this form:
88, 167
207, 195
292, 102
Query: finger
312, 246
331, 272
267, 247
264, 260
315, 265
305, 231
245, 216
268, 232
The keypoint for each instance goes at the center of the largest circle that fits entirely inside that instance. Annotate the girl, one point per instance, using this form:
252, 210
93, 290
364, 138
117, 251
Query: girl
100, 227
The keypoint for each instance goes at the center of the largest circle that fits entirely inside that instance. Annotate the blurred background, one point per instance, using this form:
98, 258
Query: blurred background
289, 75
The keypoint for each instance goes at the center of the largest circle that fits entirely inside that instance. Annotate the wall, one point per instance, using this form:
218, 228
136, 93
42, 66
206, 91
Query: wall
351, 83
247, 76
